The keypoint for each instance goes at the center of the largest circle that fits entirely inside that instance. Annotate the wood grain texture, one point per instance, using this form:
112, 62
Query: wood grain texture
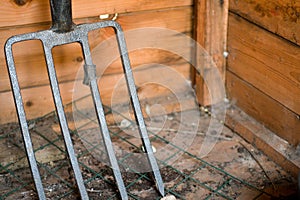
265, 109
13, 13
281, 17
266, 61
265, 140
68, 58
151, 81
211, 34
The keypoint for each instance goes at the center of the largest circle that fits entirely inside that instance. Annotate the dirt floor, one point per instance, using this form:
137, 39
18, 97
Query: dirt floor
233, 169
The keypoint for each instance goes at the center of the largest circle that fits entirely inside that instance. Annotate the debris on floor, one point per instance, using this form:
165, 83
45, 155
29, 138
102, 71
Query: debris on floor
169, 197
233, 169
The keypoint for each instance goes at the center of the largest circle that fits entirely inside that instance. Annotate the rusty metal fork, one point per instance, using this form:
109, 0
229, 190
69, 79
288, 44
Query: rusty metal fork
64, 31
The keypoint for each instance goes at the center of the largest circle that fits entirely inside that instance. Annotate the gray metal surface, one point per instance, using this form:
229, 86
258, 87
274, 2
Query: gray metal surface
79, 34
137, 109
91, 80
22, 121
63, 121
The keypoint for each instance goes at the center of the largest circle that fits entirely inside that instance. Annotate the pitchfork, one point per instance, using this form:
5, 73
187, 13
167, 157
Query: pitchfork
64, 31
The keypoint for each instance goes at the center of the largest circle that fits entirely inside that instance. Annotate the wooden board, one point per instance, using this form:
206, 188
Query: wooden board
15, 12
277, 149
265, 109
68, 59
38, 100
266, 61
281, 17
211, 34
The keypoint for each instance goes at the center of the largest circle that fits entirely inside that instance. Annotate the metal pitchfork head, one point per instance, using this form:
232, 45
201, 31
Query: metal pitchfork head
64, 31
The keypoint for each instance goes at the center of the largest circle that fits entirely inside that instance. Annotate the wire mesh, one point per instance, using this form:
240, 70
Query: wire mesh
203, 179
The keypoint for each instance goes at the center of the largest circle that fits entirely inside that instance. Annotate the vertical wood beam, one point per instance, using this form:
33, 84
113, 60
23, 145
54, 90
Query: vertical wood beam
210, 31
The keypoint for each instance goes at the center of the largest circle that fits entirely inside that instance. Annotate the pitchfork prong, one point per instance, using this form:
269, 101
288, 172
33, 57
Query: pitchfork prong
63, 122
137, 108
22, 117
91, 80
91, 74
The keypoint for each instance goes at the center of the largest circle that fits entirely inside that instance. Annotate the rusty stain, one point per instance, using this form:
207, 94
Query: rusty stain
258, 8
289, 12
21, 2
292, 14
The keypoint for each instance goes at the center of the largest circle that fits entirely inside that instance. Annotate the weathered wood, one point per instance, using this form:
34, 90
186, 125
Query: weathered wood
281, 17
265, 109
13, 13
199, 35
211, 34
266, 61
265, 140
68, 58
38, 100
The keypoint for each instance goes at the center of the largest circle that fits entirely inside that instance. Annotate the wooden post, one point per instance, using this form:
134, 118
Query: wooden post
211, 18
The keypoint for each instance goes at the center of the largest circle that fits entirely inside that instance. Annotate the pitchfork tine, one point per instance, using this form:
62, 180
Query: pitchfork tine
22, 119
137, 109
91, 79
63, 122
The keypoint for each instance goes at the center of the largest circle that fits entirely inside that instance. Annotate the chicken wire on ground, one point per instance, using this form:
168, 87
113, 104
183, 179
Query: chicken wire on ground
232, 170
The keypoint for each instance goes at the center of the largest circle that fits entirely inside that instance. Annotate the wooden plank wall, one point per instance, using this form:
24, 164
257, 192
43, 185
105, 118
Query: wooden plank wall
18, 17
263, 72
211, 18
